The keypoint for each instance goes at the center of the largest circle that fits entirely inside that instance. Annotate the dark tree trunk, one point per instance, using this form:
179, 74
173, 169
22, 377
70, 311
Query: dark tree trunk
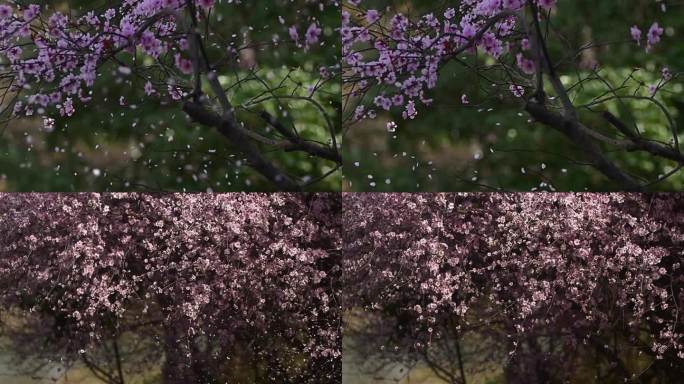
178, 366
531, 364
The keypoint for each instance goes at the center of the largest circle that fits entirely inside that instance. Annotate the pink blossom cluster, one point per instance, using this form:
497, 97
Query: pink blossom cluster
237, 268
400, 56
582, 264
655, 32
55, 58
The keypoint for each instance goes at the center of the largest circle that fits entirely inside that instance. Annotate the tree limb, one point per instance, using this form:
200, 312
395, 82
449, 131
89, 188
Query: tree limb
295, 143
575, 132
229, 128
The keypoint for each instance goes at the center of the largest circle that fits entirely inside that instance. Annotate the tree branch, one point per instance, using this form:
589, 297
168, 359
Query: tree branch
229, 128
295, 143
636, 142
575, 132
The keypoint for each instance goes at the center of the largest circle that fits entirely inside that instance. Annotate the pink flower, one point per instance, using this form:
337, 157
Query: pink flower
183, 65
636, 34
5, 11
294, 35
313, 33
149, 89
517, 90
372, 16
654, 34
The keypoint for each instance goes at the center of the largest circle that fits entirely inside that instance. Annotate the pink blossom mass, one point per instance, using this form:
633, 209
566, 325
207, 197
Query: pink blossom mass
203, 281
570, 274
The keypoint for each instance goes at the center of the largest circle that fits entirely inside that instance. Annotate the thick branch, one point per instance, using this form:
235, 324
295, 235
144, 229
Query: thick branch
229, 128
573, 130
117, 356
295, 143
544, 61
637, 143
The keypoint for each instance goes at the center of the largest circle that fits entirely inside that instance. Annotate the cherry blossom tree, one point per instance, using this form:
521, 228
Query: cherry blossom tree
215, 288
394, 58
543, 287
53, 59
